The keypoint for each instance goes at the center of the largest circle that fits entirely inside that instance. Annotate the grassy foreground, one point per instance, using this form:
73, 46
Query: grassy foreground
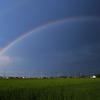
49, 89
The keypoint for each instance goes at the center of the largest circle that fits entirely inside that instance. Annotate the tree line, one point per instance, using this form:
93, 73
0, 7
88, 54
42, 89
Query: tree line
97, 75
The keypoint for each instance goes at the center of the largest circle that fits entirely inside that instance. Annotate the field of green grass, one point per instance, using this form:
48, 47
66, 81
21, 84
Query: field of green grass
49, 89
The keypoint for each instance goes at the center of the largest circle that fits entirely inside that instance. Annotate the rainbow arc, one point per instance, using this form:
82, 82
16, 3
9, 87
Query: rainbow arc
44, 26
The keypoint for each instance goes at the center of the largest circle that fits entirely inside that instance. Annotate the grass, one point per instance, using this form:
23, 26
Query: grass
49, 89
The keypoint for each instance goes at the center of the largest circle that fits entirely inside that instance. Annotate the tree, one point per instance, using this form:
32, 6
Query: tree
97, 75
83, 76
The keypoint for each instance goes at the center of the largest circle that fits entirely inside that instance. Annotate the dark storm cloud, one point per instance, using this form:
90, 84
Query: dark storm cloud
73, 46
86, 57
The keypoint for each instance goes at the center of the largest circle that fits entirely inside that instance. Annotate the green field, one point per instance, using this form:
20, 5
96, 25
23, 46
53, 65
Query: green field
50, 89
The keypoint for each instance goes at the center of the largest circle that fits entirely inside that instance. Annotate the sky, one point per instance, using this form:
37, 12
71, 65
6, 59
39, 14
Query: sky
62, 37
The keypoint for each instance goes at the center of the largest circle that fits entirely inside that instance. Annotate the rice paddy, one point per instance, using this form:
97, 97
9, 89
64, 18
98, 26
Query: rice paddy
50, 89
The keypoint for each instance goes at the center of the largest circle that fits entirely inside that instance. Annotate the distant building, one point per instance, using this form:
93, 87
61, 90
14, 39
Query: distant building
93, 76
28, 77
76, 77
58, 77
7, 77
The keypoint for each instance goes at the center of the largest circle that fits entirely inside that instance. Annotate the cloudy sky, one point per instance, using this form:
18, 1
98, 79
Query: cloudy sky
70, 46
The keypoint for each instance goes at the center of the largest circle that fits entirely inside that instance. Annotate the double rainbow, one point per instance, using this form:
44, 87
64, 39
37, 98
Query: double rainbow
12, 8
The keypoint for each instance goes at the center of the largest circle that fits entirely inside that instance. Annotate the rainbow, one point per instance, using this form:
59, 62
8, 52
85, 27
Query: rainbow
13, 8
44, 26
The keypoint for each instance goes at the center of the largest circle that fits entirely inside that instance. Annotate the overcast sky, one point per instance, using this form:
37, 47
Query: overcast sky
71, 46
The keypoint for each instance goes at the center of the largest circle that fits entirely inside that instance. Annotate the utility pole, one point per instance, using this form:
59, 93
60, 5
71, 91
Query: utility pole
58, 74
18, 73
90, 74
80, 74
34, 74
68, 75
29, 74
4, 73
41, 74
74, 74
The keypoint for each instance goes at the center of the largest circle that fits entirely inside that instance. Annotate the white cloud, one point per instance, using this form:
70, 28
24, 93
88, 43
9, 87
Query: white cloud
4, 60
